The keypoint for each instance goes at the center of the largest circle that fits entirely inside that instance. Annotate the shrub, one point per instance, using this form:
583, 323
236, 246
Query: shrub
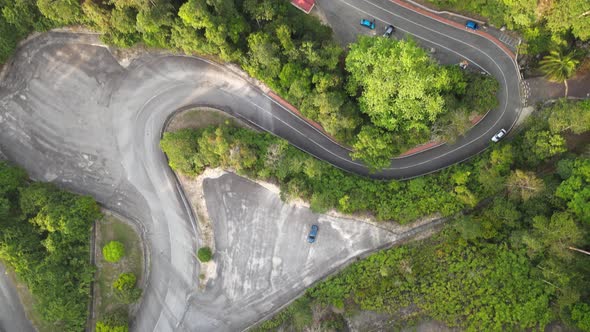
204, 254
113, 322
581, 315
113, 251
125, 281
125, 288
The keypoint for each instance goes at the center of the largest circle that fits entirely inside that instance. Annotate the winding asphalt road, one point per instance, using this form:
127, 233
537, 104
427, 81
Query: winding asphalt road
464, 44
71, 114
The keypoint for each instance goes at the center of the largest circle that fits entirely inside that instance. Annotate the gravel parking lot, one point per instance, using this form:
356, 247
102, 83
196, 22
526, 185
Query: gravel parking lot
263, 257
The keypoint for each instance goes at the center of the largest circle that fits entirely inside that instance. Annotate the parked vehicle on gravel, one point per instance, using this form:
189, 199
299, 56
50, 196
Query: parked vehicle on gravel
313, 233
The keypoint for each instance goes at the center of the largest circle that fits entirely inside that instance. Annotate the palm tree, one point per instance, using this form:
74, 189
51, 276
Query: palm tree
559, 67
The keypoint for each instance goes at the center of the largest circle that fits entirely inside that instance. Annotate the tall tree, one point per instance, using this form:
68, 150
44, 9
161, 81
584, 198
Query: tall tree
263, 58
571, 15
374, 146
524, 185
264, 10
400, 86
554, 235
575, 190
568, 115
559, 67
61, 11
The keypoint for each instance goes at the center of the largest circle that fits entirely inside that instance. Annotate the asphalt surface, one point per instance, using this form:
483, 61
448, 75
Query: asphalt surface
70, 114
12, 314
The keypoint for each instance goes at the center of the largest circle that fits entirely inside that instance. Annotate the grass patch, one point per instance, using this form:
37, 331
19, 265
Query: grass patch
201, 117
113, 229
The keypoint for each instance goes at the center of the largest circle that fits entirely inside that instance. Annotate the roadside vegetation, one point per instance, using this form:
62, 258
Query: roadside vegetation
518, 262
545, 25
410, 99
555, 33
44, 238
296, 56
299, 175
204, 254
116, 280
201, 117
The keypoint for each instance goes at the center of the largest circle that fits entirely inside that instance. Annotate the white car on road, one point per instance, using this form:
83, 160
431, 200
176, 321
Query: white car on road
499, 135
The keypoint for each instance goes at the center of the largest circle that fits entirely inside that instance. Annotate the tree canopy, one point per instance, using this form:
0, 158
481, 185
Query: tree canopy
408, 98
401, 87
113, 251
44, 237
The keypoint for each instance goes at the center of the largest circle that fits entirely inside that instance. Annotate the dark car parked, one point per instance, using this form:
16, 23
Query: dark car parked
388, 31
313, 233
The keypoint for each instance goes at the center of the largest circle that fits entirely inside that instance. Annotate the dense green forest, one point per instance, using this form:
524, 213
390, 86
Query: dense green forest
515, 263
44, 237
295, 55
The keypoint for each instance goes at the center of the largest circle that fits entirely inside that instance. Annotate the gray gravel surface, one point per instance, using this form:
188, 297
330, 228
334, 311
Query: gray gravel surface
262, 254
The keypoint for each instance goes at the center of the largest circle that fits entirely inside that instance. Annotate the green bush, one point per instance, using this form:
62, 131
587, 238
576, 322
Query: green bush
125, 281
125, 288
204, 254
116, 321
113, 251
581, 315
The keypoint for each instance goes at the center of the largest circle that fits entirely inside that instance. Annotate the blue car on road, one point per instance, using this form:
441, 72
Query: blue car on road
368, 24
471, 25
313, 233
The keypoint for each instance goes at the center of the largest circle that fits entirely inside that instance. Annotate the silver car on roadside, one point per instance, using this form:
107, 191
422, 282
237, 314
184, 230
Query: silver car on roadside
499, 135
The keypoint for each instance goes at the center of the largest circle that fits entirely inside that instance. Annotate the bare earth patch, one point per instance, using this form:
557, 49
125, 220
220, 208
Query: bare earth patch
201, 117
193, 189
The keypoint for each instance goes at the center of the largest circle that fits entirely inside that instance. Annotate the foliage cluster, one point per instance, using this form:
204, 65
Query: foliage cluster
299, 175
117, 277
17, 19
204, 254
545, 25
44, 237
125, 288
409, 98
113, 251
114, 322
510, 265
